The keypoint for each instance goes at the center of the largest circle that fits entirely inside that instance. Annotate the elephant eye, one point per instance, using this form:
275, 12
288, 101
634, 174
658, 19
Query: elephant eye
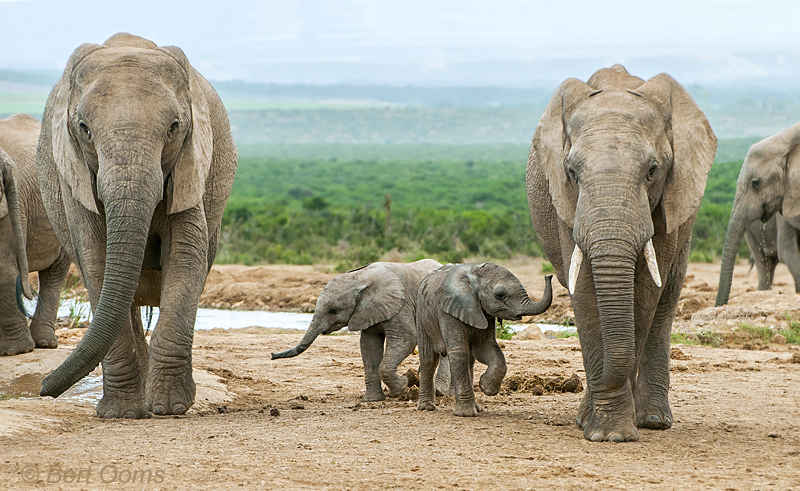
500, 295
333, 310
755, 184
173, 128
652, 171
85, 130
573, 174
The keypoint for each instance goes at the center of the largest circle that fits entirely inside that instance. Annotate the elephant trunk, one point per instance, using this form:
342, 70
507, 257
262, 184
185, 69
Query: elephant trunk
315, 329
613, 281
129, 199
733, 237
536, 308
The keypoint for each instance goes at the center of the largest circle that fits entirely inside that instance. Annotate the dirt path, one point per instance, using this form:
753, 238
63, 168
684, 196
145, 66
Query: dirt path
298, 423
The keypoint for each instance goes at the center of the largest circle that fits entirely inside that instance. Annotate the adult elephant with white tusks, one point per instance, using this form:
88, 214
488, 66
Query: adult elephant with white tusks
615, 176
136, 162
379, 301
768, 186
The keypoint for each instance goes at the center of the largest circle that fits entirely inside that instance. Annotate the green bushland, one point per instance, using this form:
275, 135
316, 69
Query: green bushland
349, 211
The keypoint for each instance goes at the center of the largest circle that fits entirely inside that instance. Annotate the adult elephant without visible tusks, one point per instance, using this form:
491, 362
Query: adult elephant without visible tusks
615, 176
136, 162
28, 243
378, 300
768, 186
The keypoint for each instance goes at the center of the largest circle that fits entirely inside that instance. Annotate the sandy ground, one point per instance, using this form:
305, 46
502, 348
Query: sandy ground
299, 423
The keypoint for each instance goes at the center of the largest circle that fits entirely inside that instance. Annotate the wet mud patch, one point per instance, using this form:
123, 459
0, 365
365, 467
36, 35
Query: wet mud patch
538, 385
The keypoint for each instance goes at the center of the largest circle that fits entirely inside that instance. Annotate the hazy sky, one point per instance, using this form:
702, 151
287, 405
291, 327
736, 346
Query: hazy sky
257, 40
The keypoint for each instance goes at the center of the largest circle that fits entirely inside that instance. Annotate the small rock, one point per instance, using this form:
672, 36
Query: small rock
773, 435
537, 390
222, 409
572, 384
297, 405
274, 412
779, 339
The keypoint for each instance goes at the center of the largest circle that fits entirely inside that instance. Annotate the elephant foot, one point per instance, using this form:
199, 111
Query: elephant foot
490, 385
396, 385
609, 419
655, 418
118, 403
16, 343
44, 336
373, 396
426, 406
468, 409
170, 394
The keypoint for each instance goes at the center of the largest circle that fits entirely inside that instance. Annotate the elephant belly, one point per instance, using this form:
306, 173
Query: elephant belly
149, 291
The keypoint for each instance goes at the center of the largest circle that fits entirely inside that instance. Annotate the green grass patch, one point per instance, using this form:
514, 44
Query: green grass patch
565, 334
547, 267
503, 330
681, 337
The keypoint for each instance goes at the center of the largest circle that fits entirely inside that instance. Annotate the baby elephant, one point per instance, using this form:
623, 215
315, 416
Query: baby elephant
379, 300
457, 308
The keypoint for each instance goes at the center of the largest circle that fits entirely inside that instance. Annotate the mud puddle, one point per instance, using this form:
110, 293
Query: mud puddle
87, 390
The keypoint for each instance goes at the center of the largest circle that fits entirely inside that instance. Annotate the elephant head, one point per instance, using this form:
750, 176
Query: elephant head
358, 299
619, 160
129, 127
470, 292
769, 182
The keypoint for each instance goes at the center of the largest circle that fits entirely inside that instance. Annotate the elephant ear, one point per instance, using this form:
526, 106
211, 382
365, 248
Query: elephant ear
551, 145
67, 155
693, 145
187, 183
791, 197
380, 297
458, 296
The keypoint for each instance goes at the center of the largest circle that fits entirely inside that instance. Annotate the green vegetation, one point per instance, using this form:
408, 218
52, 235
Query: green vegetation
547, 267
680, 337
566, 334
350, 211
503, 331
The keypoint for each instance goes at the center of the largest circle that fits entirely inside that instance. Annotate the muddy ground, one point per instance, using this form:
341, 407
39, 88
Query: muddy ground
299, 423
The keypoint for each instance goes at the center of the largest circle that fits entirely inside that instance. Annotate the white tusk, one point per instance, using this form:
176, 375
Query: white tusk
652, 264
574, 266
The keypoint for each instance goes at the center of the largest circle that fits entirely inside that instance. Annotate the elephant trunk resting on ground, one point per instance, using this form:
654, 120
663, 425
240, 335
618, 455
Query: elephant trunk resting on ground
136, 162
768, 186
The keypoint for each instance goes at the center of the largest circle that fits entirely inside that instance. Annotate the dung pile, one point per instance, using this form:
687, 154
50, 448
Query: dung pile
538, 385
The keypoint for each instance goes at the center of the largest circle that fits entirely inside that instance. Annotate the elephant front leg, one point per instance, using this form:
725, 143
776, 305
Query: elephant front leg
605, 414
51, 282
124, 369
461, 366
371, 354
652, 383
489, 353
170, 386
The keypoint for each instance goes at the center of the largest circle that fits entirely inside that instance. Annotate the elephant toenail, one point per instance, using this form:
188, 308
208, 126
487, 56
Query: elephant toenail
178, 409
159, 410
654, 419
129, 415
597, 437
632, 438
110, 414
615, 437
